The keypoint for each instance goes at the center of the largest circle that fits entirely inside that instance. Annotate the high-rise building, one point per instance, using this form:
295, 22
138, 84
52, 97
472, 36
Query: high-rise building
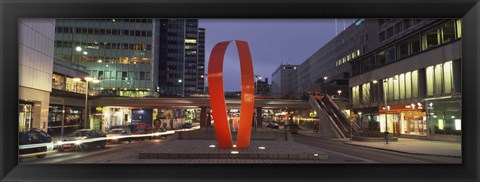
282, 81
134, 57
181, 65
36, 40
118, 52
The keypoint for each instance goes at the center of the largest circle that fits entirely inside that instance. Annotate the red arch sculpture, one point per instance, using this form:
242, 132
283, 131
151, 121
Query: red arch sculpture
217, 95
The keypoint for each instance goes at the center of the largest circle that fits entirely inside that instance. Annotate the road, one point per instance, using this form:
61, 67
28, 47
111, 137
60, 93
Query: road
337, 150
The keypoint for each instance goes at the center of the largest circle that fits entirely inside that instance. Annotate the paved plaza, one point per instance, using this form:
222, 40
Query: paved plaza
406, 145
207, 149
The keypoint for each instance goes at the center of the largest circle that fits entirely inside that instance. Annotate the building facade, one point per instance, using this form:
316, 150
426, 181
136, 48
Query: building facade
329, 61
262, 87
283, 80
182, 57
415, 76
36, 40
118, 52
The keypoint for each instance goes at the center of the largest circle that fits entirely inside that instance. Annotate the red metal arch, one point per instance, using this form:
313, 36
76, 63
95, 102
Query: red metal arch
217, 96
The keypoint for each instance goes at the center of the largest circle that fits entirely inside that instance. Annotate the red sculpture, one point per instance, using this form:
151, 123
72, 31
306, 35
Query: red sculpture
217, 97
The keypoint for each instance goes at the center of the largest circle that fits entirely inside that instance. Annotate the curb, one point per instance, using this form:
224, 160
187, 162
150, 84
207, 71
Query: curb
437, 155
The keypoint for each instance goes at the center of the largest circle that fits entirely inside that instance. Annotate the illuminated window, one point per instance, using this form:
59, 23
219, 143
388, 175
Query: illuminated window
390, 89
440, 124
458, 124
447, 77
395, 87
408, 85
193, 41
415, 84
358, 52
459, 28
438, 79
366, 92
429, 72
402, 86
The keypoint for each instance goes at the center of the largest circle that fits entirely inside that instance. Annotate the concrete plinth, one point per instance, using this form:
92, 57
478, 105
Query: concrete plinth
202, 149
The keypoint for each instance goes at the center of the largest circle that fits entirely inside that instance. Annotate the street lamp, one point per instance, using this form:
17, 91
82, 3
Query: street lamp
385, 89
204, 76
257, 77
324, 85
87, 79
339, 93
375, 90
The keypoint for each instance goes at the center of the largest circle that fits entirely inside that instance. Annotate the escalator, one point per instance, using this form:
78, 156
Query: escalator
335, 124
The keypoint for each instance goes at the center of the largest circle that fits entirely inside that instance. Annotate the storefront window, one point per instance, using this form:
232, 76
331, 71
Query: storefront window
74, 86
25, 116
71, 122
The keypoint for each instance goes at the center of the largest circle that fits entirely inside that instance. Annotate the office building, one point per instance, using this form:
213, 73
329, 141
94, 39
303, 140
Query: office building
283, 80
418, 74
182, 58
36, 40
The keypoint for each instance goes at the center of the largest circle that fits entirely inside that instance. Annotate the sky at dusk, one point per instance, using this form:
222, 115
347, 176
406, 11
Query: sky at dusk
272, 42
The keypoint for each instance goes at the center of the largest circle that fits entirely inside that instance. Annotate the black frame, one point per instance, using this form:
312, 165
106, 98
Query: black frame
11, 10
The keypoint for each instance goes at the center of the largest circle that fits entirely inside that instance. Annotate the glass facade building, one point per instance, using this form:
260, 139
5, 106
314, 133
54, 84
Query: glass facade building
118, 52
419, 76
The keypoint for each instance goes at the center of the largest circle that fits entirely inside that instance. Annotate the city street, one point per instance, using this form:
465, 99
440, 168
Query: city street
337, 151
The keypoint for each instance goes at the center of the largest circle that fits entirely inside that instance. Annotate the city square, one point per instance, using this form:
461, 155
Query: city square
140, 91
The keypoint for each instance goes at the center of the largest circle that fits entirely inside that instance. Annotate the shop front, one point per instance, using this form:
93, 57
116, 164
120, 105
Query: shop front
404, 119
25, 116
64, 119
445, 119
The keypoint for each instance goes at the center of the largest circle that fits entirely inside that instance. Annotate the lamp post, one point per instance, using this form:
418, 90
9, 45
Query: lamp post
204, 76
339, 93
87, 79
385, 89
257, 77
324, 85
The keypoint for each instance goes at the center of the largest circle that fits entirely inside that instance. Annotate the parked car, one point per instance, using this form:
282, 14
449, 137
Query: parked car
274, 126
141, 131
115, 135
34, 141
187, 125
83, 139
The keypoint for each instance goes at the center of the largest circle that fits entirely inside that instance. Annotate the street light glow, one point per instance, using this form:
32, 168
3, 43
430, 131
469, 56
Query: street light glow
85, 52
180, 81
78, 48
339, 91
88, 78
375, 81
325, 78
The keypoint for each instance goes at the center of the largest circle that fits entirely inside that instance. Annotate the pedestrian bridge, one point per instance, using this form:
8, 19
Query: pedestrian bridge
194, 102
